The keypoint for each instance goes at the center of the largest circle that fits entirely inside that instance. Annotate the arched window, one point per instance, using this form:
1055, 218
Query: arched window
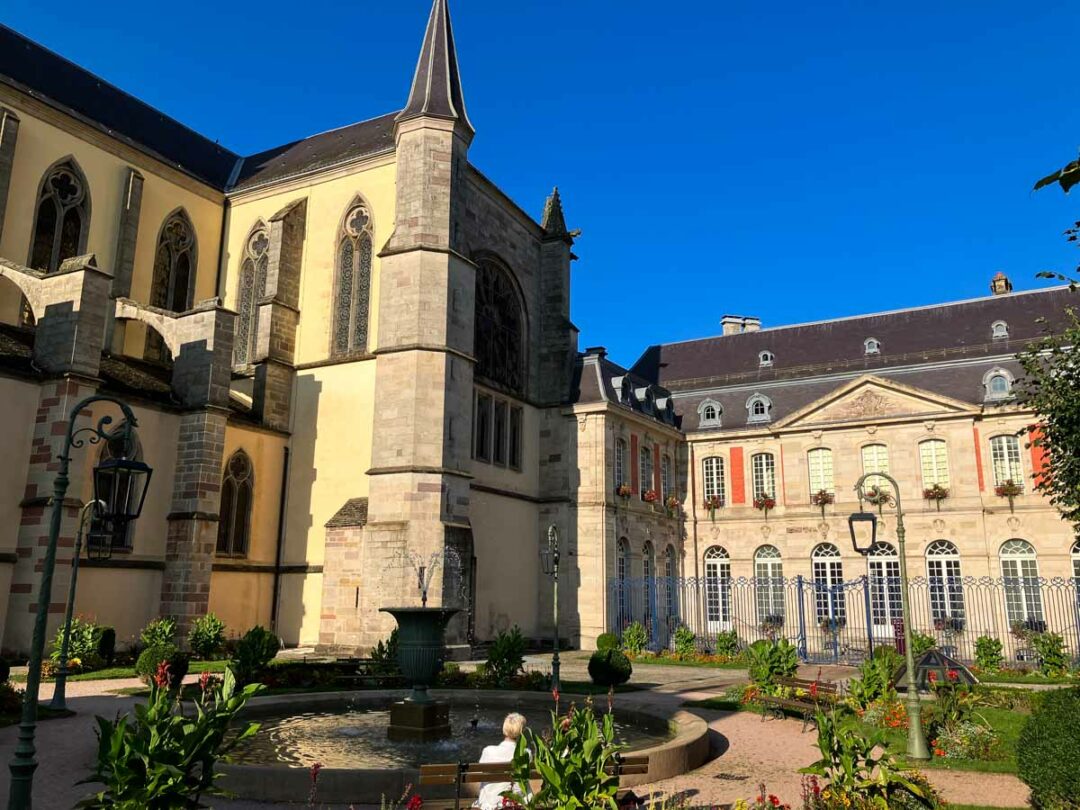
875, 459
499, 337
237, 497
830, 605
648, 579
175, 263
765, 359
1005, 458
1020, 576
352, 284
946, 586
769, 585
934, 461
763, 474
61, 218
717, 589
251, 286
620, 464
645, 468
819, 465
622, 577
710, 413
998, 385
999, 330
666, 487
885, 600
712, 477
671, 570
871, 346
1076, 562
122, 536
758, 409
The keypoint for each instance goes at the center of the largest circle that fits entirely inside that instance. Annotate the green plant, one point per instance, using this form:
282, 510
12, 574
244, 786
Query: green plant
607, 641
921, 644
83, 643
727, 643
573, 764
685, 641
610, 668
635, 638
1050, 647
506, 655
451, 676
106, 646
875, 682
168, 654
256, 649
1048, 750
207, 636
10, 698
770, 660
159, 631
965, 740
850, 765
163, 758
988, 654
384, 655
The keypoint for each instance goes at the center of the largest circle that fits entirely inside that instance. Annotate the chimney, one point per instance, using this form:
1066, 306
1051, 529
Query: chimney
1000, 284
751, 324
596, 351
737, 324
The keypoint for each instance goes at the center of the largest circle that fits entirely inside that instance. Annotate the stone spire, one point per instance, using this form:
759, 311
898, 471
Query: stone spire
436, 86
553, 221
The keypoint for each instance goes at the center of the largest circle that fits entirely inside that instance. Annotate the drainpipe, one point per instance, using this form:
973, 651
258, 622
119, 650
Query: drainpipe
280, 551
218, 291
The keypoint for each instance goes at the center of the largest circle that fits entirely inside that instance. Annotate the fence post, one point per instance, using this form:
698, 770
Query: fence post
869, 618
803, 652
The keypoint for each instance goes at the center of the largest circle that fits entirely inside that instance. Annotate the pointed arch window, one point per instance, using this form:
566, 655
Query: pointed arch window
237, 498
352, 284
499, 328
61, 218
251, 287
175, 263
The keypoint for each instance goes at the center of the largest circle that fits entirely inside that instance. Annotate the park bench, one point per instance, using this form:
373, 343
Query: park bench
807, 698
472, 773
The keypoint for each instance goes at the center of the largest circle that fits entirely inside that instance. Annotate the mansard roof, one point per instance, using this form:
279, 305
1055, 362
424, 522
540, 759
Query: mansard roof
939, 333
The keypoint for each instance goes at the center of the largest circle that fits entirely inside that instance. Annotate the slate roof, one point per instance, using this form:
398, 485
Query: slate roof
436, 86
593, 381
352, 513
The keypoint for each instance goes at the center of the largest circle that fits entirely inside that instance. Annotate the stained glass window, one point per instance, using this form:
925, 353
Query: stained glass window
175, 261
62, 219
499, 328
237, 497
352, 290
252, 287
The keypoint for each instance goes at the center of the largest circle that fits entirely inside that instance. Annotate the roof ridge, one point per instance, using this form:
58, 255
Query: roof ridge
324, 132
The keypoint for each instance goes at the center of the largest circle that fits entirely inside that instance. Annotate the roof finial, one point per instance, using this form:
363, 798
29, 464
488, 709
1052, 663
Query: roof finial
553, 221
436, 85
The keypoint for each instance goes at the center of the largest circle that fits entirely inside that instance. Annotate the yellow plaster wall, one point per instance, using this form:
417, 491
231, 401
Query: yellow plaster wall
298, 611
20, 401
241, 599
506, 543
125, 599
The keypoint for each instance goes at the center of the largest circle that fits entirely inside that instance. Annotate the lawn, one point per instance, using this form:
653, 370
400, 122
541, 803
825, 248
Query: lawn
115, 673
1027, 677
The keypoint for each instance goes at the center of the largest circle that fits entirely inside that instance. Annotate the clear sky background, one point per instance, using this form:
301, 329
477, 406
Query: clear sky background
794, 161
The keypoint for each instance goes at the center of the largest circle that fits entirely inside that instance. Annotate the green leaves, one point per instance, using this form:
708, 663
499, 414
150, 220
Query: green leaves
506, 656
770, 660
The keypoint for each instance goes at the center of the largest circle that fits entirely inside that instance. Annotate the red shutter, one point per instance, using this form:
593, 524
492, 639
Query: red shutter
1038, 456
978, 460
635, 465
738, 478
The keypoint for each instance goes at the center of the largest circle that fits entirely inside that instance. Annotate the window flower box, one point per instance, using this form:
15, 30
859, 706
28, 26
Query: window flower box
672, 504
821, 499
879, 497
937, 493
764, 503
1010, 489
712, 503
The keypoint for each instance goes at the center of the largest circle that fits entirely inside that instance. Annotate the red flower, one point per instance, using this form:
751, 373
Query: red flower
952, 675
161, 677
414, 803
774, 800
932, 677
204, 681
555, 694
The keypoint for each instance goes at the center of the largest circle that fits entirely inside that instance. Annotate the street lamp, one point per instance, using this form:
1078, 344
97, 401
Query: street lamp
549, 561
916, 744
97, 541
120, 484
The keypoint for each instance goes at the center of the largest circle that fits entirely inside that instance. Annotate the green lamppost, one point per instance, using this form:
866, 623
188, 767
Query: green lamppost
120, 484
916, 743
549, 560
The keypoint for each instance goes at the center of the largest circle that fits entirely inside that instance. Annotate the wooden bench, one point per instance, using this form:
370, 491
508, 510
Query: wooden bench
466, 773
808, 699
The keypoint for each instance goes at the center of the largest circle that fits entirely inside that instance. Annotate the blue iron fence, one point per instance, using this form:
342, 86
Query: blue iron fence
843, 622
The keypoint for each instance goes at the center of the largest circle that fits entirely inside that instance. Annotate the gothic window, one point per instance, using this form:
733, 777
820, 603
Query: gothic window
352, 287
252, 287
710, 413
61, 219
499, 337
175, 262
237, 497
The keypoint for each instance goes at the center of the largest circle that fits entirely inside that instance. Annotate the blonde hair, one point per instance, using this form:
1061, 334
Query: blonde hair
513, 725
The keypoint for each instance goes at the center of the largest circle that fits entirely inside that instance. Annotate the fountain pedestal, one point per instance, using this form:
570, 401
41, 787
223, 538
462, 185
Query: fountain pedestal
420, 647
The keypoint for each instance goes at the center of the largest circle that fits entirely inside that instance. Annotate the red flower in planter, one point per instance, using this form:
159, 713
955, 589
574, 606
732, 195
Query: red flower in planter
650, 496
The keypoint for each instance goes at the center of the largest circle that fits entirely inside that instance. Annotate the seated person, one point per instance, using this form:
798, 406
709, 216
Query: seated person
491, 792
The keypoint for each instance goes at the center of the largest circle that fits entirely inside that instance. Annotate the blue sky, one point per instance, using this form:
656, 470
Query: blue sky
793, 161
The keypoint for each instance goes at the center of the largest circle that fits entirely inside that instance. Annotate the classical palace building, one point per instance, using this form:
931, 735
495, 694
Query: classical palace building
351, 356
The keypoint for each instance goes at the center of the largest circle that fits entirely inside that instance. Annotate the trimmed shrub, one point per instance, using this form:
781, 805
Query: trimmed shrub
607, 641
685, 641
634, 638
253, 653
727, 643
610, 668
988, 654
207, 636
1048, 750
506, 655
159, 631
152, 657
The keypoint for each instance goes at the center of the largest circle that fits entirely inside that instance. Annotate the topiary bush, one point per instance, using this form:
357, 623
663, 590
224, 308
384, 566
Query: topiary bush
1048, 750
253, 653
634, 638
607, 641
988, 654
610, 668
159, 631
170, 654
684, 641
207, 636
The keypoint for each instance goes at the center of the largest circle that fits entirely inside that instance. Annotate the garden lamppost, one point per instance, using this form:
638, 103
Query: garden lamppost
95, 545
916, 742
549, 559
120, 484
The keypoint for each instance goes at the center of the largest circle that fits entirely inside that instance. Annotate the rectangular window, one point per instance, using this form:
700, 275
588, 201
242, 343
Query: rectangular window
820, 466
712, 474
620, 463
646, 469
933, 458
482, 450
1005, 455
763, 468
516, 416
498, 435
665, 477
875, 459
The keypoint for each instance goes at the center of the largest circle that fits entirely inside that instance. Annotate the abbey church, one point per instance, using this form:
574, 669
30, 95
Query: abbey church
353, 353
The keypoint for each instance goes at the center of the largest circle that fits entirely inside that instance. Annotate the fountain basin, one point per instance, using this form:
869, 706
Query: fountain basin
675, 741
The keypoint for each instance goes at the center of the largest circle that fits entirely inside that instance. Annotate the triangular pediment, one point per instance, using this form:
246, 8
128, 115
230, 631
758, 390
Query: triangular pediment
871, 398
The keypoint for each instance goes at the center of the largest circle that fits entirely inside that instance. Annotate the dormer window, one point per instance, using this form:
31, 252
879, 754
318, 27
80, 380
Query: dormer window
765, 359
666, 410
647, 399
999, 330
710, 413
623, 389
758, 409
872, 346
998, 384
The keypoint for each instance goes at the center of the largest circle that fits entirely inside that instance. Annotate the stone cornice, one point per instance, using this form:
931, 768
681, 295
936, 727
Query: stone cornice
419, 470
